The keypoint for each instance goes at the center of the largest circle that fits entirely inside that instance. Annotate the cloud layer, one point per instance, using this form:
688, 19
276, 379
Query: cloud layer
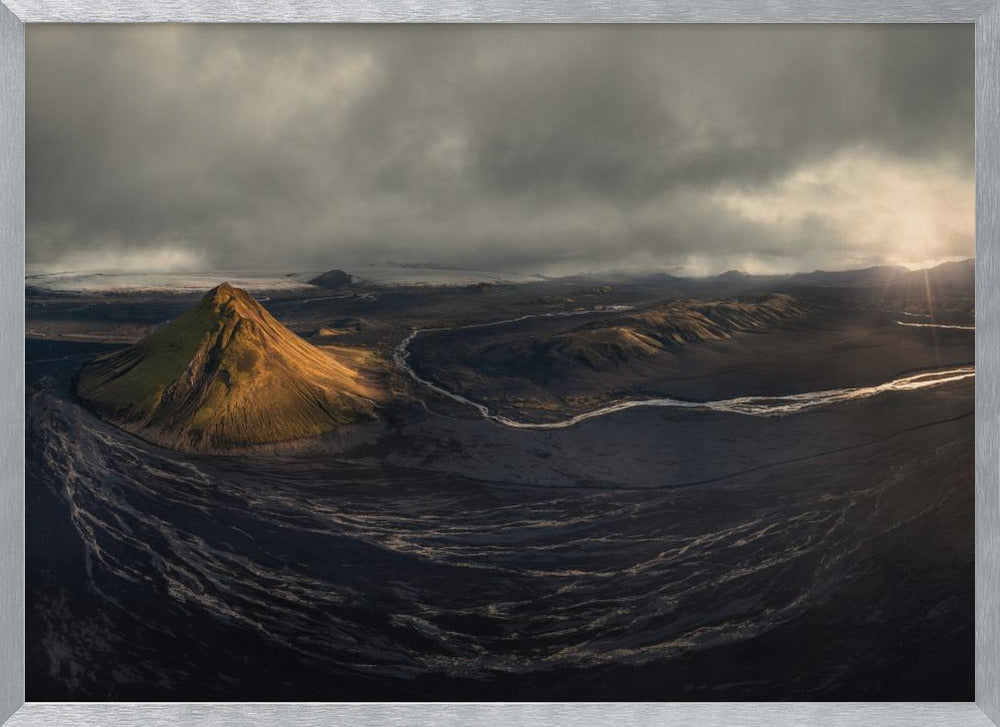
544, 149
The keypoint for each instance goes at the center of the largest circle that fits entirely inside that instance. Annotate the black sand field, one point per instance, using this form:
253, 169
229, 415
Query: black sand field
649, 554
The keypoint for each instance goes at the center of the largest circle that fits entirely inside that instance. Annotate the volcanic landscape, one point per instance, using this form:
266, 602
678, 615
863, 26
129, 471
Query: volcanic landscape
293, 486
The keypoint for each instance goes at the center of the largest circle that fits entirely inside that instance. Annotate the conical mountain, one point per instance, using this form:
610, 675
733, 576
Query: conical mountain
225, 375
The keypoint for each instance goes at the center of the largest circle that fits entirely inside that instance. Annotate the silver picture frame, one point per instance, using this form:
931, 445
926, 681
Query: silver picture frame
985, 14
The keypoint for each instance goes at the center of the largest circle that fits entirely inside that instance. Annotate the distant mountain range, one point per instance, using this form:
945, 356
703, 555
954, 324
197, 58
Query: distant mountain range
958, 272
950, 274
946, 290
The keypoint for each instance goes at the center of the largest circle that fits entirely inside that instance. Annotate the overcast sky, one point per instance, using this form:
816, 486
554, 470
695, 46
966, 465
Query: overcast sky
535, 149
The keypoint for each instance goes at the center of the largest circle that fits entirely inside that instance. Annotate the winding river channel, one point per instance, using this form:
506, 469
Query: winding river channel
760, 406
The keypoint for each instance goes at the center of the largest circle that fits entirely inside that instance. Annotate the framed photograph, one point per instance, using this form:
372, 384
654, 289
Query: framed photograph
539, 364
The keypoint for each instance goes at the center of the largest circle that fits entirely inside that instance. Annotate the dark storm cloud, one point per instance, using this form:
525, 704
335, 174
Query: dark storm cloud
534, 148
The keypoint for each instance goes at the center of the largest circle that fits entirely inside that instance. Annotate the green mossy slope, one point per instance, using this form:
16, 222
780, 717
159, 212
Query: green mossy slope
224, 375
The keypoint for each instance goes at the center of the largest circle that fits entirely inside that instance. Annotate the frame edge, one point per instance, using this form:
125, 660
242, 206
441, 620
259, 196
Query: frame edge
504, 11
527, 714
12, 211
12, 195
987, 363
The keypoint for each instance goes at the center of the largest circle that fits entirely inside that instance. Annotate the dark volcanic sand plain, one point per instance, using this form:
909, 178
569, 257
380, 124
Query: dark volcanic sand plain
825, 349
649, 554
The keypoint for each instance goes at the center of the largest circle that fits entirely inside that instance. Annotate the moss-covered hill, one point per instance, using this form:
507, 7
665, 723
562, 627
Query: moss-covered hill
225, 375
607, 344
